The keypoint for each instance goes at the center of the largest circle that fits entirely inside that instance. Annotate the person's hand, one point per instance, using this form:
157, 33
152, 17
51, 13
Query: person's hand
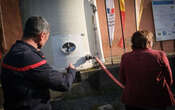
71, 66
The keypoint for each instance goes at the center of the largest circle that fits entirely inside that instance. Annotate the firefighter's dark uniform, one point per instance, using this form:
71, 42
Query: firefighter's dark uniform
26, 79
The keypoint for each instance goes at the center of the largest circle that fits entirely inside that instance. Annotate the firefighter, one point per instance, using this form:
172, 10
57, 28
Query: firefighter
26, 75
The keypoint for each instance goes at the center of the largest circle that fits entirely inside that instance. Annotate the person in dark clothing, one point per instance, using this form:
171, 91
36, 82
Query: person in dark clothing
26, 76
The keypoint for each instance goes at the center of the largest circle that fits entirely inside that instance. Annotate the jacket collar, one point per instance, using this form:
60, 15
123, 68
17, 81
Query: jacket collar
26, 44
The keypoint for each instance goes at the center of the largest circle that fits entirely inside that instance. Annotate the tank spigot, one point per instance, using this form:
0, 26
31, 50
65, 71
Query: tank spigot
89, 57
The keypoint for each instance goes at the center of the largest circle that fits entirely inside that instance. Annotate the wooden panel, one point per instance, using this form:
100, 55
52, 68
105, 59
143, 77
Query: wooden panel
11, 21
146, 23
1, 38
129, 27
2, 47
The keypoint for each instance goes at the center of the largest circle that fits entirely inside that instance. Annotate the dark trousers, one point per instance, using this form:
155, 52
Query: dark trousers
128, 107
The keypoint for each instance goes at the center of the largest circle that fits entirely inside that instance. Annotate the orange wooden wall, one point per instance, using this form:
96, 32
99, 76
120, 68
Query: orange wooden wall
130, 27
11, 21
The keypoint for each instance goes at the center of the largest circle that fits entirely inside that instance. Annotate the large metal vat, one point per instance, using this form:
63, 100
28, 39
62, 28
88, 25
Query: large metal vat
71, 28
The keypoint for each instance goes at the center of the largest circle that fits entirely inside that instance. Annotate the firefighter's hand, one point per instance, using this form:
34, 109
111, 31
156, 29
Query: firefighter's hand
71, 66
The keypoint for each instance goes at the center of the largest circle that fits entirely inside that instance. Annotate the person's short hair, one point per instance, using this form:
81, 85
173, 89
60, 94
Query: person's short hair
34, 26
141, 39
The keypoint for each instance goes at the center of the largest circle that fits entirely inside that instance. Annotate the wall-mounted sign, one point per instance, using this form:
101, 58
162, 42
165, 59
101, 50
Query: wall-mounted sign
164, 19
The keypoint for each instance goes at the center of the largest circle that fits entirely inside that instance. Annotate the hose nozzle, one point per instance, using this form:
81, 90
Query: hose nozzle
89, 57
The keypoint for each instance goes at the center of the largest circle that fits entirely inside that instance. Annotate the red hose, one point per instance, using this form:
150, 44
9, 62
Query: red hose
122, 86
171, 95
109, 73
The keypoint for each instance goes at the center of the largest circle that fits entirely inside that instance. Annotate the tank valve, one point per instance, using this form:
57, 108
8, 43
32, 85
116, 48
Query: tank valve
89, 57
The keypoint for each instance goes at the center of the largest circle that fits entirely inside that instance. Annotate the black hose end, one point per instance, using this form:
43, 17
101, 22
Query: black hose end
89, 57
